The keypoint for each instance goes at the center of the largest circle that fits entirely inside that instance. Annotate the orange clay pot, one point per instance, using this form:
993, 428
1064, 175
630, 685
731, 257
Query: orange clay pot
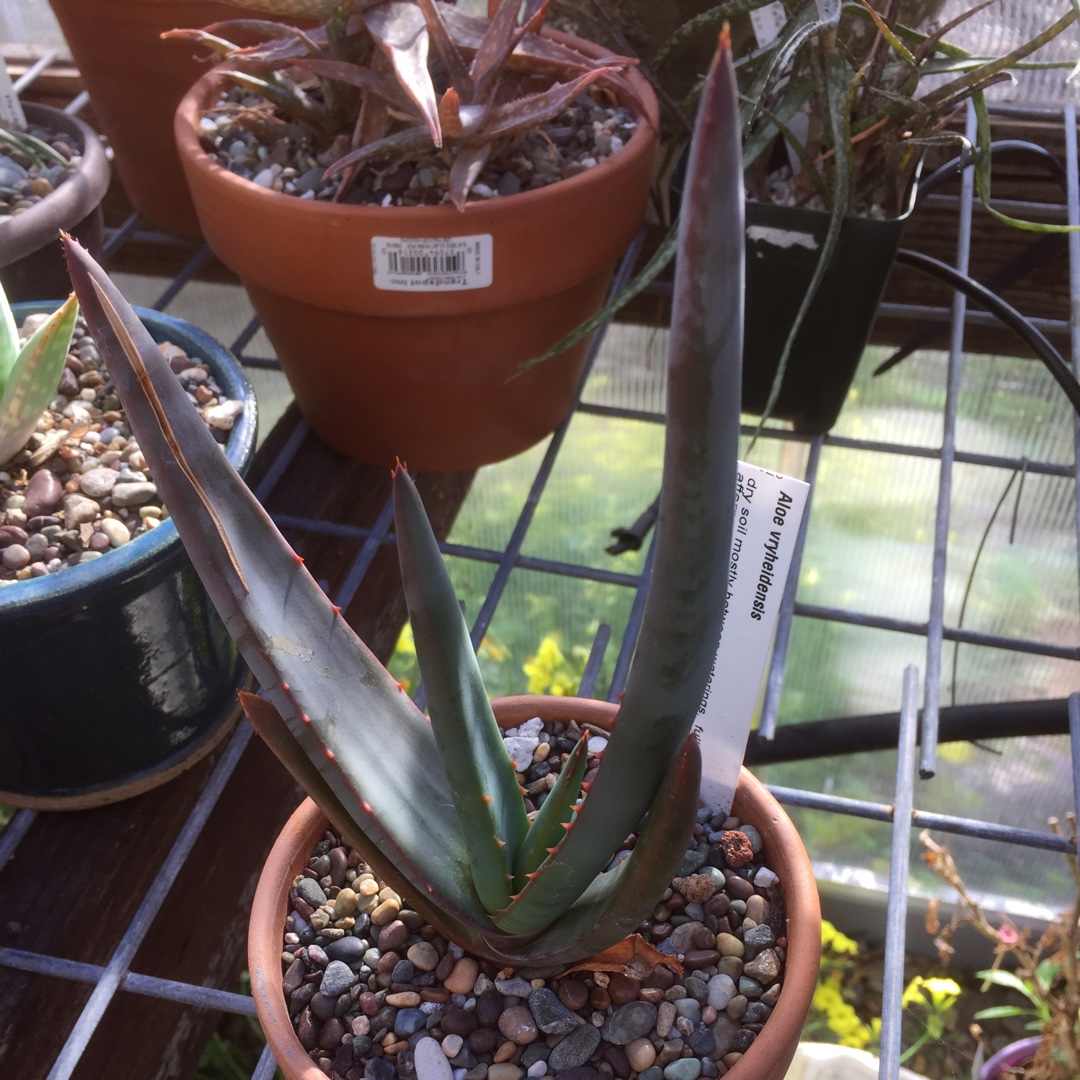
771, 1053
135, 81
423, 376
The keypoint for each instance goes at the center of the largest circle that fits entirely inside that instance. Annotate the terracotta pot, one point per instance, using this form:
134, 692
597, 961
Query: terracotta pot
771, 1053
118, 673
424, 376
32, 263
135, 81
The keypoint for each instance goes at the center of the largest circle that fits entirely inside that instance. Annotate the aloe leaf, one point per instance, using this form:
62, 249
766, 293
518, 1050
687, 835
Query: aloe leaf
34, 148
649, 273
714, 16
290, 99
840, 92
401, 142
527, 112
546, 831
502, 35
401, 31
457, 70
478, 768
983, 170
9, 339
32, 380
683, 614
614, 903
338, 700
468, 161
358, 75
999, 64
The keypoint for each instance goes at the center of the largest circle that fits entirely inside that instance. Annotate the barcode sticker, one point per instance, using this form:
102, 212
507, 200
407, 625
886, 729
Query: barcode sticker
11, 110
767, 22
431, 264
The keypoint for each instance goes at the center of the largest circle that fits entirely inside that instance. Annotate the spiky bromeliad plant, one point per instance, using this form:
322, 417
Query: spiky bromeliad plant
29, 375
398, 79
436, 807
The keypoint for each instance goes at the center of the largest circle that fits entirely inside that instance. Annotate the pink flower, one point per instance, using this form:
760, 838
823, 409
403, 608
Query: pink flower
1007, 935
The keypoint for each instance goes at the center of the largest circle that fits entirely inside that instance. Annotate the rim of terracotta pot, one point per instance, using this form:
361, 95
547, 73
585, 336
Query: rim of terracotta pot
62, 589
69, 203
773, 1047
330, 222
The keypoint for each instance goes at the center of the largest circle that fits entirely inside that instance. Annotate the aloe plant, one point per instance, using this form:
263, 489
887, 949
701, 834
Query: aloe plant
366, 73
435, 807
29, 374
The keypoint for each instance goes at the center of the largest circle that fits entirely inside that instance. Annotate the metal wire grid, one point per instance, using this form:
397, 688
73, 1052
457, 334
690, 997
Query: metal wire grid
116, 975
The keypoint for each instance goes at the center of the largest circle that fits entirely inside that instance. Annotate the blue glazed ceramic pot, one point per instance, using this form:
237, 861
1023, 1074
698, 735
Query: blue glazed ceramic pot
117, 674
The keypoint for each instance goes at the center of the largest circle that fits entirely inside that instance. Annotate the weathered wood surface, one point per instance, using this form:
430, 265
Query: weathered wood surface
77, 879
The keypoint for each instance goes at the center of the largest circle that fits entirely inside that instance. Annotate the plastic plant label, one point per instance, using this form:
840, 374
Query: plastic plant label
431, 264
768, 511
767, 22
11, 110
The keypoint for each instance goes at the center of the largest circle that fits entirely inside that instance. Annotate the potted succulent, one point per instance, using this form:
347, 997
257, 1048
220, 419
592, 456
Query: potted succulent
1044, 970
840, 103
135, 81
399, 326
54, 174
119, 673
434, 807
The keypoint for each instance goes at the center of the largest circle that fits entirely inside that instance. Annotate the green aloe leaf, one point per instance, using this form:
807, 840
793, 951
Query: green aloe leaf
682, 618
9, 339
983, 169
614, 903
546, 831
478, 768
351, 718
33, 378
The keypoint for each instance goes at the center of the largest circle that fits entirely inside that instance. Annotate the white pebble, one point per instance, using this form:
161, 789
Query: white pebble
597, 744
721, 991
531, 728
764, 878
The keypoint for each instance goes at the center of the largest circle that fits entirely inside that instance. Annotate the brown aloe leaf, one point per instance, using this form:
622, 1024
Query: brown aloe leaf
535, 109
457, 71
401, 31
498, 42
468, 162
633, 956
356, 75
409, 141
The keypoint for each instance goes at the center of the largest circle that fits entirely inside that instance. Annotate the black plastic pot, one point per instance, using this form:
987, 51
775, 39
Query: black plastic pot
118, 673
31, 258
782, 248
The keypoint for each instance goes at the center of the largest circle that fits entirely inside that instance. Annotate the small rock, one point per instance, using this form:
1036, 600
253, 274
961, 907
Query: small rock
431, 1061
551, 1015
133, 494
576, 1048
630, 1021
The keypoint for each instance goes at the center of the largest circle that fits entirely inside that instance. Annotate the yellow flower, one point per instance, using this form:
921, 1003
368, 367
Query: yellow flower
831, 938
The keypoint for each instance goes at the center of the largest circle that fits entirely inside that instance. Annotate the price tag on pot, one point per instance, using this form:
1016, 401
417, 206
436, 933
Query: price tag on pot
11, 110
431, 264
768, 511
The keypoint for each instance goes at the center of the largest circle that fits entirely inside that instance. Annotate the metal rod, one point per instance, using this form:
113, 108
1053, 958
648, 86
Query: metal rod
770, 709
34, 70
266, 1066
116, 238
532, 499
949, 633
1074, 742
923, 819
117, 967
896, 912
194, 264
367, 553
587, 686
243, 339
932, 689
203, 997
1073, 196
282, 461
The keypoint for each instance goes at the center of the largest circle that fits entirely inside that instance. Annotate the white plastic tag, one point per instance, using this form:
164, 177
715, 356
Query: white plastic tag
431, 264
11, 110
767, 22
768, 511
